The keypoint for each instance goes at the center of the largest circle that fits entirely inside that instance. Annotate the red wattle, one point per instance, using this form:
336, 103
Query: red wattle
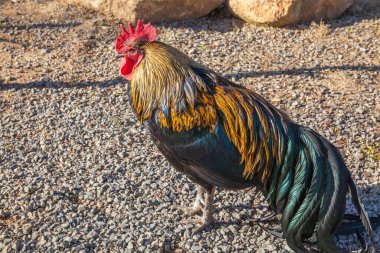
129, 65
127, 68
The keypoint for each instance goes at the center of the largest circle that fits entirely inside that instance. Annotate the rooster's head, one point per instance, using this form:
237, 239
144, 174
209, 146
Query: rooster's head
129, 46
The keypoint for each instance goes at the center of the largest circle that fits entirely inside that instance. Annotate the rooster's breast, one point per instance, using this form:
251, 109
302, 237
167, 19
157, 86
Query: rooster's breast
206, 157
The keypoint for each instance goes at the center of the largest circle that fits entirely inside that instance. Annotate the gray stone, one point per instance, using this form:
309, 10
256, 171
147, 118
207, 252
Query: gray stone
27, 228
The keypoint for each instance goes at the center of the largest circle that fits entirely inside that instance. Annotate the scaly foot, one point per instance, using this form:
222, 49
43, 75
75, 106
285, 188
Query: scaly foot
203, 224
207, 217
189, 211
197, 207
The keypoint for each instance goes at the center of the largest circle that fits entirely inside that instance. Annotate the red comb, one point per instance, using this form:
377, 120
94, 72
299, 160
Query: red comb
143, 33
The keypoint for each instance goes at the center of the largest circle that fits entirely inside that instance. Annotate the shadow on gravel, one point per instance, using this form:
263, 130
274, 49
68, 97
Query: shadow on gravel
120, 80
346, 20
56, 85
302, 71
219, 20
41, 25
349, 18
216, 25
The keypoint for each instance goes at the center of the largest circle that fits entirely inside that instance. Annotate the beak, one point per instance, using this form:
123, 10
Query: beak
118, 56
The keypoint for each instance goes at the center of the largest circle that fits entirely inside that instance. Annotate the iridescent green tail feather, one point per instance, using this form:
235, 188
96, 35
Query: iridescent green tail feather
309, 189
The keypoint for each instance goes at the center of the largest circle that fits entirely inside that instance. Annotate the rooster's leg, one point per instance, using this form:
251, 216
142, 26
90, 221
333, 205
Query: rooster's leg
196, 207
208, 209
198, 203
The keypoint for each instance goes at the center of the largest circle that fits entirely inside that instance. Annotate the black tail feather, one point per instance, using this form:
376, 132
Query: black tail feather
362, 213
352, 224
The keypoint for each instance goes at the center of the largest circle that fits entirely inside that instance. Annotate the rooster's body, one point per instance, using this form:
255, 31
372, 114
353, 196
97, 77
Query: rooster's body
223, 135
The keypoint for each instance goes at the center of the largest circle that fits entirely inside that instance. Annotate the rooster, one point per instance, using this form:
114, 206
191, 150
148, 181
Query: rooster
221, 134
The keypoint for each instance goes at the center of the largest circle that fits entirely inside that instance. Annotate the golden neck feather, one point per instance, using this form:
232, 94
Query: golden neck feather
158, 81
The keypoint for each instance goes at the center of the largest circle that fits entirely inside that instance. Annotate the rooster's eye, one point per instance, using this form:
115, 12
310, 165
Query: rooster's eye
131, 50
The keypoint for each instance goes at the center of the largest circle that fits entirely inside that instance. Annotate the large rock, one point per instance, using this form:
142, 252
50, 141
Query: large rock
286, 12
152, 10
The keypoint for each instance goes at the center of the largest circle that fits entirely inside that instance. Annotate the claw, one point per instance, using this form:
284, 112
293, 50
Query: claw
189, 211
204, 224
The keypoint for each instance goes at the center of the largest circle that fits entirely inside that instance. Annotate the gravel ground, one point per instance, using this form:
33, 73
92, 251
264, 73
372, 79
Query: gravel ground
78, 174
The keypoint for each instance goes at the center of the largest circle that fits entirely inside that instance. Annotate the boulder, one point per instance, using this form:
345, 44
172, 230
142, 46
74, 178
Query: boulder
287, 12
151, 10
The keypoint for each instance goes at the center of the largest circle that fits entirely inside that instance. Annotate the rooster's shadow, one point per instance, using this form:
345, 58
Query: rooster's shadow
49, 84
